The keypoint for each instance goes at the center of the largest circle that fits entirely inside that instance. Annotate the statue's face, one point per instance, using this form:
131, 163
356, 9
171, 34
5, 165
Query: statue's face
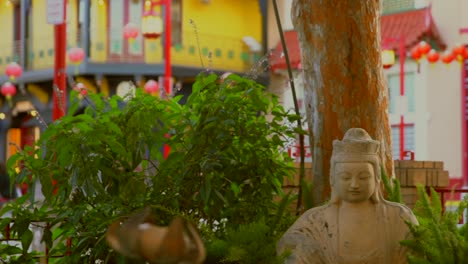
354, 182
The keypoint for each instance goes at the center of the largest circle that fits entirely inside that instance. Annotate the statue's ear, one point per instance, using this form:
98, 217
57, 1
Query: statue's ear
112, 237
124, 236
173, 243
122, 242
197, 252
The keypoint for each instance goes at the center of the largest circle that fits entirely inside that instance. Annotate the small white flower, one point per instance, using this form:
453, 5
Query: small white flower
87, 253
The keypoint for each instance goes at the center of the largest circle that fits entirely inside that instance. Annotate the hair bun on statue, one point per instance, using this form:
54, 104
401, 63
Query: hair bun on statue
357, 141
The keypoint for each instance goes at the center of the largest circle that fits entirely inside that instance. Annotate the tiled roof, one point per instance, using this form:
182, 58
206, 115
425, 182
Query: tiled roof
414, 25
277, 59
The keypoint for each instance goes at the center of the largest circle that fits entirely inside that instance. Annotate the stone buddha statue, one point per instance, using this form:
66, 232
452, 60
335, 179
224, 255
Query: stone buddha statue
357, 225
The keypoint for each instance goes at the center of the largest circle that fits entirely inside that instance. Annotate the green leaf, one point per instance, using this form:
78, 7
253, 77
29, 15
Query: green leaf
235, 188
26, 239
47, 237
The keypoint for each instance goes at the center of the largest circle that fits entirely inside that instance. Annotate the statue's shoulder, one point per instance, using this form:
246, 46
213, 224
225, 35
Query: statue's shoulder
314, 213
401, 210
307, 235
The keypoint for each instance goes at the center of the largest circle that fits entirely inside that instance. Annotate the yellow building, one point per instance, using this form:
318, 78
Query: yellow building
219, 35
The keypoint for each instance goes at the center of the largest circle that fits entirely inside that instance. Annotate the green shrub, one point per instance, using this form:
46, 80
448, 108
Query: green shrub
437, 238
225, 164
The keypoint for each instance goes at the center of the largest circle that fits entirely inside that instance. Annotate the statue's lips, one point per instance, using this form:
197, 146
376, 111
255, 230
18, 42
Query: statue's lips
355, 192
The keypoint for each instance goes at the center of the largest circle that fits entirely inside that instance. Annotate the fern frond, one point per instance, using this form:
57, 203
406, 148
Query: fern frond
281, 209
417, 260
397, 191
424, 205
436, 205
392, 187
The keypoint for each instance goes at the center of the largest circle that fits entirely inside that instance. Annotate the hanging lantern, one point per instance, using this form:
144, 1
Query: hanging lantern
13, 71
152, 87
8, 90
433, 56
447, 57
415, 53
388, 58
459, 51
463, 54
130, 32
76, 56
424, 47
151, 25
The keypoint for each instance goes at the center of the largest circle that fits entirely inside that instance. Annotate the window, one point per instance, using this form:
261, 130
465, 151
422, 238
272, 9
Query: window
409, 139
176, 22
115, 26
80, 16
135, 12
122, 12
394, 6
394, 91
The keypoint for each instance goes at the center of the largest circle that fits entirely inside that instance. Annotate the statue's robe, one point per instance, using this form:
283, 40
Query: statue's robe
313, 238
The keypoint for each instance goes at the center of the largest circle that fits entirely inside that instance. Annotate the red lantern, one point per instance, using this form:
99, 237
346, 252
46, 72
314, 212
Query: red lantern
130, 31
465, 54
459, 49
8, 90
447, 57
433, 56
423, 47
415, 53
13, 70
76, 55
152, 87
151, 25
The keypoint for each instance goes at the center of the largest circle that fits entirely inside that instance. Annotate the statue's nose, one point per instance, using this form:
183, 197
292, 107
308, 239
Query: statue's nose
354, 183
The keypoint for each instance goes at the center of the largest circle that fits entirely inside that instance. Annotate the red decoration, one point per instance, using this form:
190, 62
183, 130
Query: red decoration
13, 70
76, 55
152, 87
459, 49
433, 56
460, 52
8, 90
447, 57
81, 88
424, 47
130, 31
151, 25
415, 53
464, 56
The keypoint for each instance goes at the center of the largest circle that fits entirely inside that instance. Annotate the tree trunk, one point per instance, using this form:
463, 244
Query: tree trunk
344, 81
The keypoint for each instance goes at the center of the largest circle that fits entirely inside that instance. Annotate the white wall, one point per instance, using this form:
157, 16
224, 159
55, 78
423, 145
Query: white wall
284, 10
444, 90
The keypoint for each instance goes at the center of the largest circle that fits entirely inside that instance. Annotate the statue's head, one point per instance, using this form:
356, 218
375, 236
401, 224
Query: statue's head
355, 168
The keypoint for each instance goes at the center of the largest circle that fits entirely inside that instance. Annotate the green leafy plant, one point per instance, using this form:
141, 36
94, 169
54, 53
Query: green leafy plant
225, 164
437, 238
254, 242
250, 243
391, 187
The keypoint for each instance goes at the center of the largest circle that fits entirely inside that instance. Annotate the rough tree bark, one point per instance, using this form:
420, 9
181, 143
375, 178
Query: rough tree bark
345, 87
